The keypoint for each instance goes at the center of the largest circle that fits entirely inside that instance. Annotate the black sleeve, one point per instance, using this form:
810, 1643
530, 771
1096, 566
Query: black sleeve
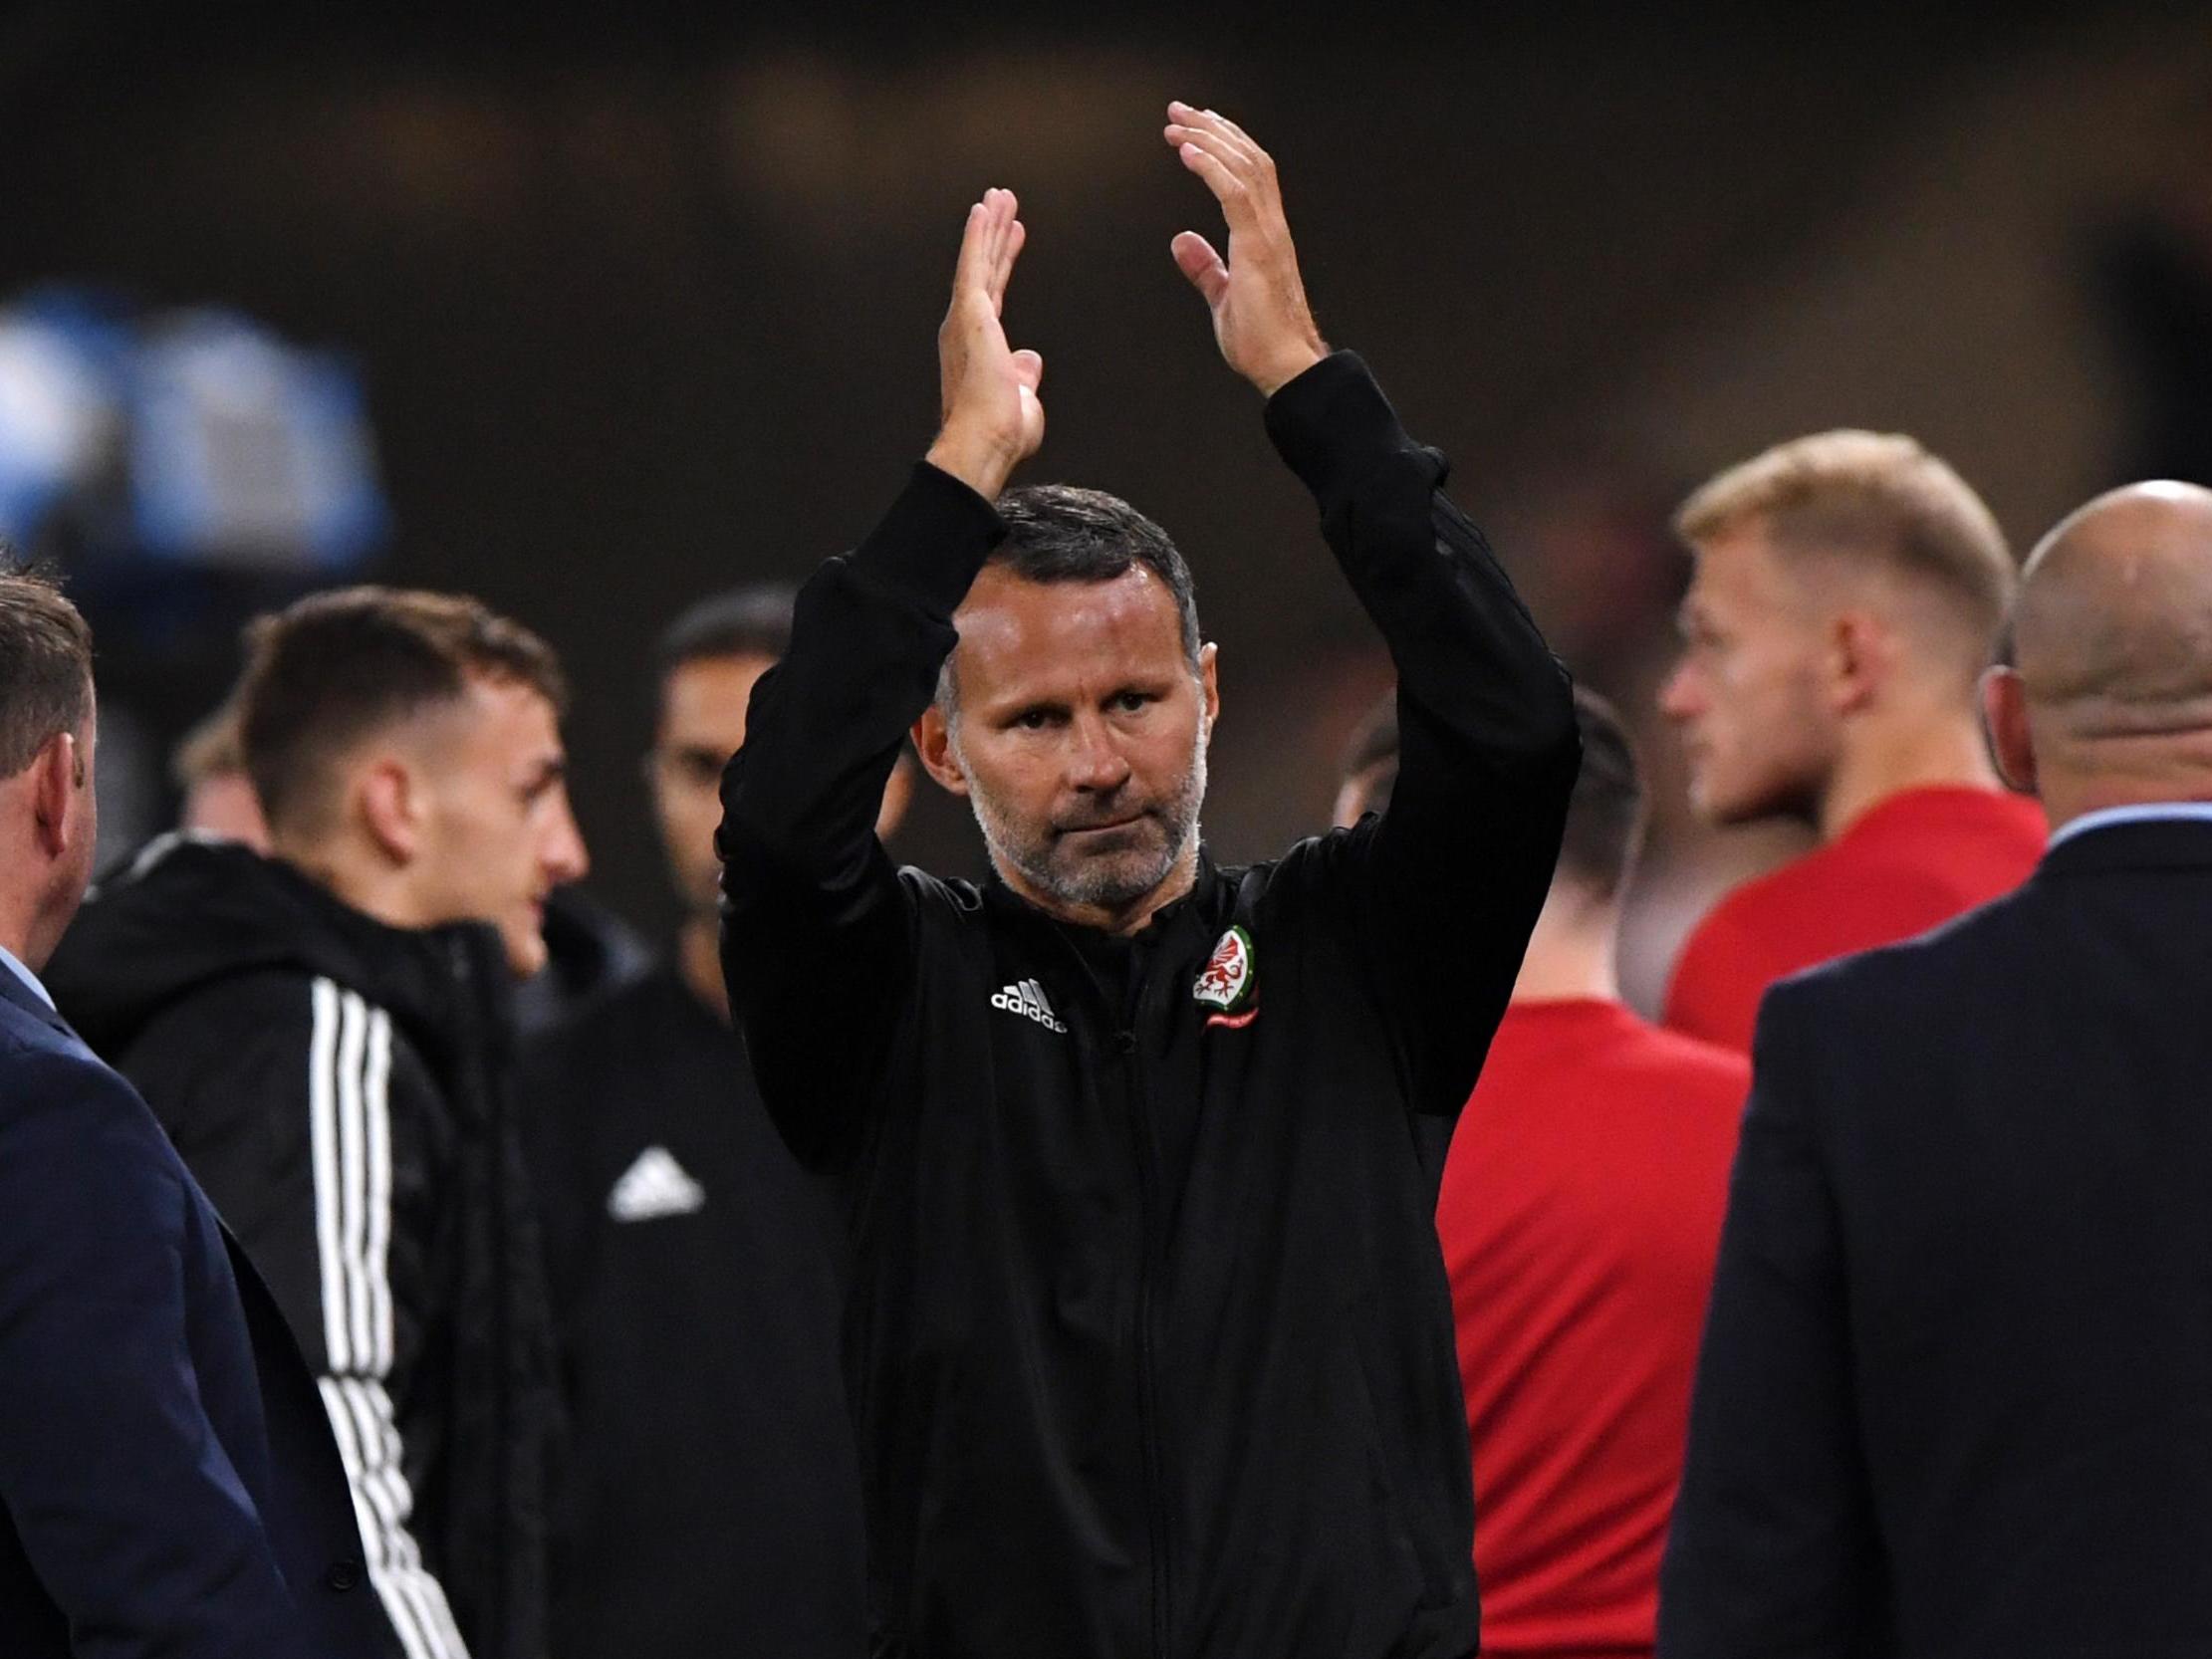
817, 928
1773, 1546
127, 1505
241, 1114
1446, 887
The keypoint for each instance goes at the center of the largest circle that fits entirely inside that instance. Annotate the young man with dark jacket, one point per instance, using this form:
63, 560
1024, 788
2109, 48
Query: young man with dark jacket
1149, 1344
323, 1034
707, 1484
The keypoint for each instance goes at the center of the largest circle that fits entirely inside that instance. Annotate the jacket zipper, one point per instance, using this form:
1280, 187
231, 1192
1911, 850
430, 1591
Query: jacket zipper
1125, 1018
492, 1098
1148, 1397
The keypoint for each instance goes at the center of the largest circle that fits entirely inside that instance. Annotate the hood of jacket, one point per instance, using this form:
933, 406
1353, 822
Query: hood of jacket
190, 909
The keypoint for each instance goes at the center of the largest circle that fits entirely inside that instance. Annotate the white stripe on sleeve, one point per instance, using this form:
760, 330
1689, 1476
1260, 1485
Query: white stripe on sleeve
349, 1116
353, 1158
321, 1093
376, 1537
377, 1092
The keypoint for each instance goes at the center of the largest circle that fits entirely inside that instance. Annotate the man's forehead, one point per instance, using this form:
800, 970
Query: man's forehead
496, 710
710, 692
1743, 570
1005, 612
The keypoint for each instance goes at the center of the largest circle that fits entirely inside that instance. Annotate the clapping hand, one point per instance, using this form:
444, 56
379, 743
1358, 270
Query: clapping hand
992, 418
1258, 299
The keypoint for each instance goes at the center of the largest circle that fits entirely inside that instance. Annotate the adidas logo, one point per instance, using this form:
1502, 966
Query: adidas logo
1028, 1000
655, 1185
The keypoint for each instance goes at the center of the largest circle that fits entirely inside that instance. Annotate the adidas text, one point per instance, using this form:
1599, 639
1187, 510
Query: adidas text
1028, 1000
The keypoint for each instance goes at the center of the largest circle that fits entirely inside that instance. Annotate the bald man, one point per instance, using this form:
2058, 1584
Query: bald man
1955, 1395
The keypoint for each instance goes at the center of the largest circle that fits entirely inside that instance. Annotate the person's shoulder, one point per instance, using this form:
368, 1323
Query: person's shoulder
50, 1076
1958, 845
1310, 865
1883, 991
1752, 934
231, 1016
1776, 900
612, 1023
1703, 1069
946, 895
1607, 1049
29, 1043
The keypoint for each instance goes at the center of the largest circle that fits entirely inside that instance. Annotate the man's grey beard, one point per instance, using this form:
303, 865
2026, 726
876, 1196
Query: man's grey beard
1110, 882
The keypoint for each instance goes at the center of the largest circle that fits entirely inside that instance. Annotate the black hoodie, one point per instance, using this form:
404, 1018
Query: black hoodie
1149, 1340
335, 1085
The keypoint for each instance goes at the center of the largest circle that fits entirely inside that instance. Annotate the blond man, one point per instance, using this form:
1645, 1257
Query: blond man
1849, 590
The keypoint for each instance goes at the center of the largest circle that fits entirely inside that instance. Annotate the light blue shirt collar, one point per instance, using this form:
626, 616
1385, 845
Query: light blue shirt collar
2150, 811
15, 966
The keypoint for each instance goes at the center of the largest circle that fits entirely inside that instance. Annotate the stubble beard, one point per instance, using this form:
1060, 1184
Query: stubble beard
1104, 880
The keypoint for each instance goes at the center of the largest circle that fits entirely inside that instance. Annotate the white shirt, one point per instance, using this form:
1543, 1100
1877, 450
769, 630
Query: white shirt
2150, 811
13, 965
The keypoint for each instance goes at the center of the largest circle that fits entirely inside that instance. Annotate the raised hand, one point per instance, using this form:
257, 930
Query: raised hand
992, 420
1258, 299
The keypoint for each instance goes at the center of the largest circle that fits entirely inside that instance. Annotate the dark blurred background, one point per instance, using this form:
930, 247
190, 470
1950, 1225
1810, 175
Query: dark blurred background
594, 311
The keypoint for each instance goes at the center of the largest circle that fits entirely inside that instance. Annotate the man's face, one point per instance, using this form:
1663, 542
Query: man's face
1080, 734
497, 835
1746, 695
702, 724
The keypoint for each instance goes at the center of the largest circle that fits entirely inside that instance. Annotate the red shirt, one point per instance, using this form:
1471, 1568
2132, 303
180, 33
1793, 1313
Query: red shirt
1579, 1216
1910, 863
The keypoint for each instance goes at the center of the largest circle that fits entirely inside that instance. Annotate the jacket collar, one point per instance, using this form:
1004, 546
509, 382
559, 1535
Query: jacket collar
2143, 844
1168, 922
189, 911
13, 990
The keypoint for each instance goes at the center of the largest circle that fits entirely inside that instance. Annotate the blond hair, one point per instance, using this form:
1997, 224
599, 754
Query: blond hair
1871, 498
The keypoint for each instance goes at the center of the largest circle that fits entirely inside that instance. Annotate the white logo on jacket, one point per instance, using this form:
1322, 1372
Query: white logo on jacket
654, 1186
1026, 997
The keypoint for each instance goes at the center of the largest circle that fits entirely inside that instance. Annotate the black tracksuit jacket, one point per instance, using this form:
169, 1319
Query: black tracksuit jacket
1150, 1346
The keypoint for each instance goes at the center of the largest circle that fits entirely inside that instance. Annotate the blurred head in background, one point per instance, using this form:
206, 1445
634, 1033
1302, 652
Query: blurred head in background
47, 725
705, 666
1370, 764
2108, 699
1571, 949
209, 771
1847, 592
406, 750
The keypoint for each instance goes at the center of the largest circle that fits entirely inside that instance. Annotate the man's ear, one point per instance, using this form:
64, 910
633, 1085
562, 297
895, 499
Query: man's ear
59, 774
1209, 685
933, 743
2011, 743
393, 809
1862, 654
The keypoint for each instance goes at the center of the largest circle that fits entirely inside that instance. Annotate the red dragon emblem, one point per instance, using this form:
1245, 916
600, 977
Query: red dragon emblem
1226, 981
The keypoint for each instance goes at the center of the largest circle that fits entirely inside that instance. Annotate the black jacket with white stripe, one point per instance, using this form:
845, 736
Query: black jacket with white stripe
335, 1087
1149, 1342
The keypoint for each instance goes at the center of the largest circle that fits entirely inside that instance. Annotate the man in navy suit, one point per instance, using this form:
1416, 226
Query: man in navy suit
1955, 1395
168, 1482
